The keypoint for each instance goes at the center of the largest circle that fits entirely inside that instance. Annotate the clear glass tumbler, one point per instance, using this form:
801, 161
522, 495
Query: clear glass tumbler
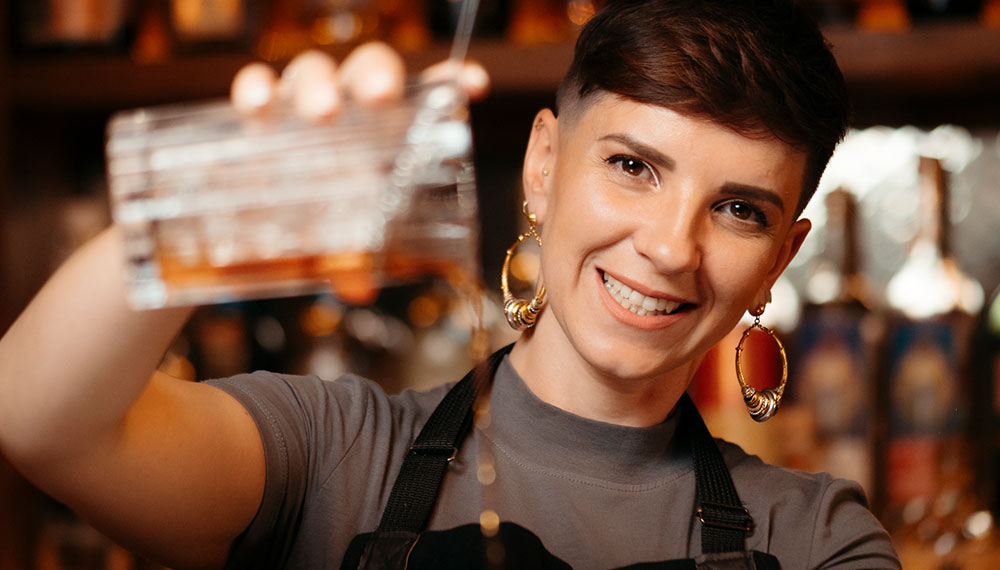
216, 206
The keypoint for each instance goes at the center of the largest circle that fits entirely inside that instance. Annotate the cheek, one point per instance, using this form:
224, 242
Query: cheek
579, 222
736, 271
579, 215
600, 211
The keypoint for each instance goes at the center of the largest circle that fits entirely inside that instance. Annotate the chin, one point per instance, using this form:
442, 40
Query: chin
623, 362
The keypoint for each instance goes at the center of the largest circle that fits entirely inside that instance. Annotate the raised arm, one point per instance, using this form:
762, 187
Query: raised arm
172, 469
168, 467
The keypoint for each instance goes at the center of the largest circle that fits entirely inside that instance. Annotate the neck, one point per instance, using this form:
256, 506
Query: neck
559, 376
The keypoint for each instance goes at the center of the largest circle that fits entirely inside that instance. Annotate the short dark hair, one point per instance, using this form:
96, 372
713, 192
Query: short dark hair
759, 67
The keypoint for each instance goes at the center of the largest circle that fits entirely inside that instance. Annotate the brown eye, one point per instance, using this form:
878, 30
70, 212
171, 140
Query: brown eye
741, 211
745, 212
633, 167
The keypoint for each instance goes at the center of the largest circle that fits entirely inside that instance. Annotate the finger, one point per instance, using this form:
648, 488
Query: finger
254, 87
472, 77
310, 83
374, 72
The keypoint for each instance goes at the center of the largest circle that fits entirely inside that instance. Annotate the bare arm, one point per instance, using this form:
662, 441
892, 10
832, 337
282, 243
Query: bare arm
75, 340
172, 468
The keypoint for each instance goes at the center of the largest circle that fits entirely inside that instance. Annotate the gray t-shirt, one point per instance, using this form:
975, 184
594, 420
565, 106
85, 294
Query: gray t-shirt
598, 495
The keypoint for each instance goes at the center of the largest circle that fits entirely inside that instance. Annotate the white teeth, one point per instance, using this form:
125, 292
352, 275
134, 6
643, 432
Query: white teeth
635, 301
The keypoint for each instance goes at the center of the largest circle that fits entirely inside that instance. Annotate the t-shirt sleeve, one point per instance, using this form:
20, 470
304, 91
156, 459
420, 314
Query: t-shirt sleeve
808, 520
296, 416
846, 535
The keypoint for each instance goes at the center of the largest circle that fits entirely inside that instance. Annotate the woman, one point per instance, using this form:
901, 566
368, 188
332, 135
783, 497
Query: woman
666, 196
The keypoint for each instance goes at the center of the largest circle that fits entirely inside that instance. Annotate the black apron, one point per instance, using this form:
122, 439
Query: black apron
400, 541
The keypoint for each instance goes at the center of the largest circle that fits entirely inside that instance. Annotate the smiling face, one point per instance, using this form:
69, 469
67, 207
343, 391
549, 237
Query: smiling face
659, 230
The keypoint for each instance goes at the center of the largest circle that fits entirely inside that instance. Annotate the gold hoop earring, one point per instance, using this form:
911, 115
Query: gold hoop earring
521, 314
761, 404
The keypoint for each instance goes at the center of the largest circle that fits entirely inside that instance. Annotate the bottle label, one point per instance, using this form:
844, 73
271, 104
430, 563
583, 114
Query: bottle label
926, 405
832, 388
924, 381
832, 377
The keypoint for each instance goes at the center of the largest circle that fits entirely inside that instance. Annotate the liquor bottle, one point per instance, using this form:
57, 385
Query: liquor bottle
985, 357
535, 23
883, 16
199, 25
929, 474
69, 25
832, 389
153, 42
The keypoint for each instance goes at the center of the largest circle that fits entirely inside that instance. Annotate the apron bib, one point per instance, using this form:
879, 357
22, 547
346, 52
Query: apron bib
400, 541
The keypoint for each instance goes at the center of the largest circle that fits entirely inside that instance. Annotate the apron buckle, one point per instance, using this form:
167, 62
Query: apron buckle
451, 452
725, 516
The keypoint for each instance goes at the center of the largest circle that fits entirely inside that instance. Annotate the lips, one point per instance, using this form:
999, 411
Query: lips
638, 303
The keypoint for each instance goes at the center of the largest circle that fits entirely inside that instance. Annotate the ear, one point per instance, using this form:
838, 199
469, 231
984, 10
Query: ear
793, 241
539, 172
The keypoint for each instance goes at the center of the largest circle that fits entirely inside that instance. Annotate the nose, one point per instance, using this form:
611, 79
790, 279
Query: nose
668, 237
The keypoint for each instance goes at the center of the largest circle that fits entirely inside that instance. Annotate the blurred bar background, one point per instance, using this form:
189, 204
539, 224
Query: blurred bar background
925, 81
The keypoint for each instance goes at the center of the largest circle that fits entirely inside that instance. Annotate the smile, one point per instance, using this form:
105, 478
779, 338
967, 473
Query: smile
638, 303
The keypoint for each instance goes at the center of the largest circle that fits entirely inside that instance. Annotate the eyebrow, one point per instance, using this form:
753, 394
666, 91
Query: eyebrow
753, 192
642, 149
735, 189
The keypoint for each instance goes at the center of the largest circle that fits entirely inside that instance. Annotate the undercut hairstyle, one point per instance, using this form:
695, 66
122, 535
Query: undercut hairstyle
759, 67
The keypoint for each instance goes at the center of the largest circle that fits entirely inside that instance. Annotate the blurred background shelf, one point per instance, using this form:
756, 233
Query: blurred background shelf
934, 73
953, 60
100, 81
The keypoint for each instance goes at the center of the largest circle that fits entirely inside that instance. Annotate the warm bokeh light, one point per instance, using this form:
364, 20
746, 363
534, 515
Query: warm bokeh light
321, 318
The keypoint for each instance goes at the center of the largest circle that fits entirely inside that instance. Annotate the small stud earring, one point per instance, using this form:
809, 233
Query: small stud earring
545, 172
539, 125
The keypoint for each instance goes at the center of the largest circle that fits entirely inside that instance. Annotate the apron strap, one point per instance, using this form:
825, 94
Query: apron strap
415, 491
725, 521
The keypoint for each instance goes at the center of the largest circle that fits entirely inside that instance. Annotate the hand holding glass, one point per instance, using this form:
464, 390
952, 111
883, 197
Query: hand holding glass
218, 206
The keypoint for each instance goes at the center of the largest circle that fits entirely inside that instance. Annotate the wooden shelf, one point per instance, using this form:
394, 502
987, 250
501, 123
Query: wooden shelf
92, 80
941, 59
942, 72
86, 81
